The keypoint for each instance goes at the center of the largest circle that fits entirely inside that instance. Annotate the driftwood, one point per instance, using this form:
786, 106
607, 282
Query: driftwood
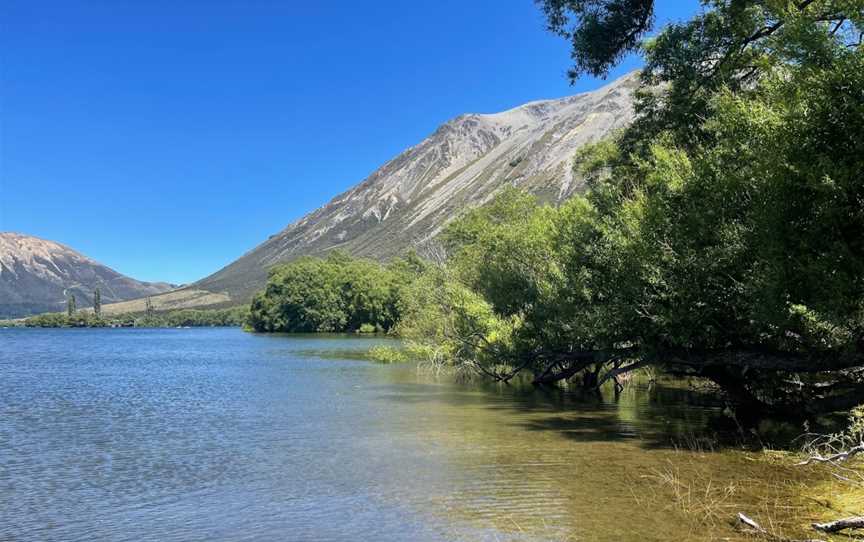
856, 522
750, 523
836, 458
761, 531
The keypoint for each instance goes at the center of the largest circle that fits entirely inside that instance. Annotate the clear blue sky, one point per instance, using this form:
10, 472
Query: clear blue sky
166, 138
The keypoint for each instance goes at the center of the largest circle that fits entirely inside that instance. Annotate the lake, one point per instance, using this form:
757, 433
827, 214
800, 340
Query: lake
216, 434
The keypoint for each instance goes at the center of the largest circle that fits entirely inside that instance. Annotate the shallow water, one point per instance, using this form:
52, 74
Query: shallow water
216, 434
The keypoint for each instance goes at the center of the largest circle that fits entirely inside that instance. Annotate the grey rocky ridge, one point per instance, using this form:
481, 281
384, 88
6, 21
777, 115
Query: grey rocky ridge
37, 275
408, 200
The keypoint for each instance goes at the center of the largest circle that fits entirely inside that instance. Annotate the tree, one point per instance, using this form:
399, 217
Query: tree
730, 44
731, 39
148, 308
600, 32
337, 293
97, 303
70, 305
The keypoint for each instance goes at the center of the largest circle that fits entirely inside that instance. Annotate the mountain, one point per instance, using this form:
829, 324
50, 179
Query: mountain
408, 200
36, 275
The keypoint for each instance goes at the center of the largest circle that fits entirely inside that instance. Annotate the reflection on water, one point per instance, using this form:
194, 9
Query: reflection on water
214, 434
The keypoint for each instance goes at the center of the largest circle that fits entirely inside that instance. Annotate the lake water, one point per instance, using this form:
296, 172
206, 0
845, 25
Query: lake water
216, 434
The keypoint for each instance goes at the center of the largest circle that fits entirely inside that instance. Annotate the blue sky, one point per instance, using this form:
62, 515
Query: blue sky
166, 138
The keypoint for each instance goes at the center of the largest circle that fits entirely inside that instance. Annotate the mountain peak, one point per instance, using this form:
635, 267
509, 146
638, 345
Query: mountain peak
463, 163
36, 275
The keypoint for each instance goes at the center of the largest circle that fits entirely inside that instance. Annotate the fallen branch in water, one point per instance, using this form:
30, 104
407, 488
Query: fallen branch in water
836, 458
770, 536
856, 522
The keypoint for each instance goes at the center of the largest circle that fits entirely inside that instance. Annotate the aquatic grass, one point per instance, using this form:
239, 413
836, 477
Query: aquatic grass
335, 354
710, 501
702, 498
837, 497
386, 354
697, 443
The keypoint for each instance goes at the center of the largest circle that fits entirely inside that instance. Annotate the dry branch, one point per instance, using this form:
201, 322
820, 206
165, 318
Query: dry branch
761, 531
856, 522
836, 458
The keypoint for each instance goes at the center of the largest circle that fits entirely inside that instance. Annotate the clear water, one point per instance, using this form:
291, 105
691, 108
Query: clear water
216, 434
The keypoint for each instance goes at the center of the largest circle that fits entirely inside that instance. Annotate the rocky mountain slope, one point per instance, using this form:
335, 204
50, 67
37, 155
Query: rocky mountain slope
462, 164
36, 275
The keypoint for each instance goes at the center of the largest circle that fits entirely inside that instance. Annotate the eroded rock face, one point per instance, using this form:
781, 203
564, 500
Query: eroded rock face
462, 164
36, 276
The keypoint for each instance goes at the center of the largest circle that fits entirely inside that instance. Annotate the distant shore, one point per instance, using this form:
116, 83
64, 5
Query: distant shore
230, 317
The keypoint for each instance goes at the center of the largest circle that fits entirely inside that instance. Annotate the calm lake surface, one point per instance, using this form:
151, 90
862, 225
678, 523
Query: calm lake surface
216, 434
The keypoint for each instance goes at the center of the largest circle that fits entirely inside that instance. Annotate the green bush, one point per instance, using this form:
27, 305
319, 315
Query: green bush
333, 294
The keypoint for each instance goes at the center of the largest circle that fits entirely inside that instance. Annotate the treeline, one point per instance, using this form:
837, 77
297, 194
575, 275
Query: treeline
235, 316
721, 235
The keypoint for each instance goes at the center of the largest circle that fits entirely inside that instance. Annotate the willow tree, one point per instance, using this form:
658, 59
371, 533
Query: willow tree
731, 45
730, 213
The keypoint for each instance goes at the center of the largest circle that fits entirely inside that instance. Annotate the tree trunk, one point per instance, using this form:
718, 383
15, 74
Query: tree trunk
749, 406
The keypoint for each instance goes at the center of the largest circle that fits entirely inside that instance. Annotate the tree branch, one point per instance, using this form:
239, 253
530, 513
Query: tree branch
856, 522
836, 458
617, 371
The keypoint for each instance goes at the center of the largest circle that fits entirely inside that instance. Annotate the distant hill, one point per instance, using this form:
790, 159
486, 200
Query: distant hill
462, 164
36, 275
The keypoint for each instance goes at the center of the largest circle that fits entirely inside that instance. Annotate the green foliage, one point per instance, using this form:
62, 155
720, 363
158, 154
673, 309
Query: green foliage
601, 32
500, 250
727, 212
337, 293
855, 430
731, 44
